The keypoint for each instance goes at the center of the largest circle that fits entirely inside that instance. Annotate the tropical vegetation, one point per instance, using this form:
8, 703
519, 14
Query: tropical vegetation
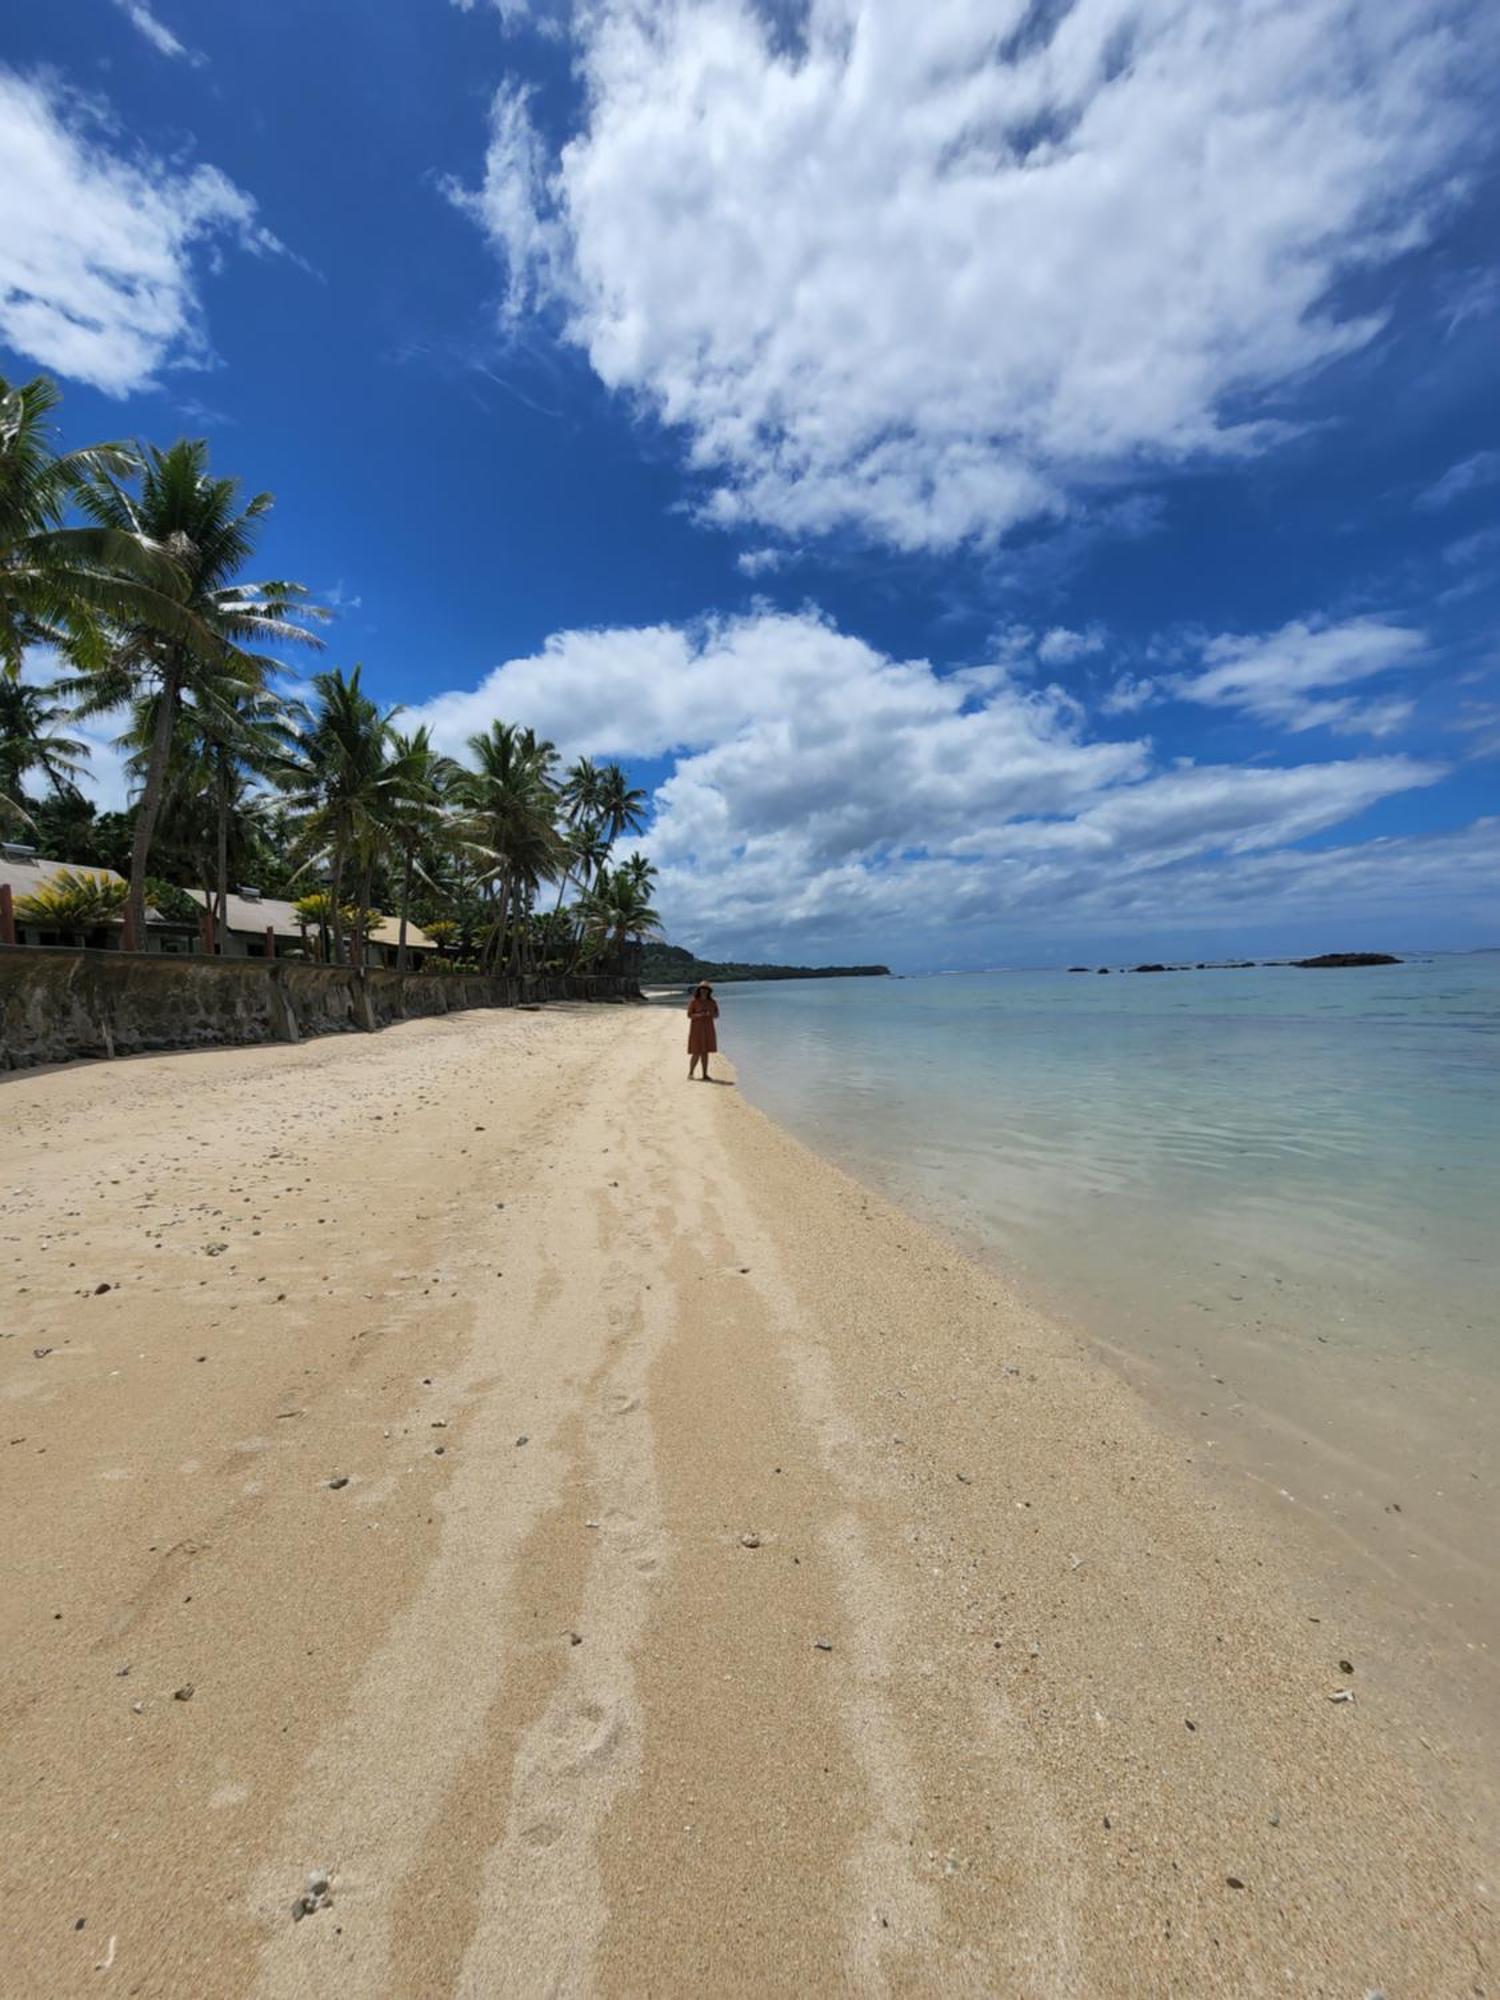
125, 610
73, 899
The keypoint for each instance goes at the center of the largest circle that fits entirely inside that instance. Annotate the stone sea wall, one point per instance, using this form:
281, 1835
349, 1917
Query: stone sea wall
56, 1006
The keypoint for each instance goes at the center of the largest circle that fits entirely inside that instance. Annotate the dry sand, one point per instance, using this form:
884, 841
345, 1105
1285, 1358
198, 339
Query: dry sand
733, 1590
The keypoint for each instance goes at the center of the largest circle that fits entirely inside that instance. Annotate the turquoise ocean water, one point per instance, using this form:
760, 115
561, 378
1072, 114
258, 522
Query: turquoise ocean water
1272, 1197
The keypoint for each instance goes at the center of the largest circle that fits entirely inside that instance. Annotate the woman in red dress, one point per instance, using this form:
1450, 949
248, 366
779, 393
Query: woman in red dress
703, 1011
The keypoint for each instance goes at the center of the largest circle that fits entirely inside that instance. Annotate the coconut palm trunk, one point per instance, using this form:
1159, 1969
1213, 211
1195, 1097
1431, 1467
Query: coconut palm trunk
496, 945
406, 874
221, 860
149, 809
337, 913
362, 942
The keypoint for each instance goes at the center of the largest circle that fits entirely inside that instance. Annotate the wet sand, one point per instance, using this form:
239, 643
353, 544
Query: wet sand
728, 1588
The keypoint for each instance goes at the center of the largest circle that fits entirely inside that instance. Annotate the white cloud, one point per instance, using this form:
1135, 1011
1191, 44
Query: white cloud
820, 790
1060, 645
1129, 694
514, 205
759, 562
156, 32
1423, 881
1467, 476
1471, 549
1479, 720
932, 271
544, 17
1284, 678
97, 280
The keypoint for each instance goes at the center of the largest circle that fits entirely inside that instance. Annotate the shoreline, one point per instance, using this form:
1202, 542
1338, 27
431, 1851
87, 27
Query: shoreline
1426, 1606
521, 1686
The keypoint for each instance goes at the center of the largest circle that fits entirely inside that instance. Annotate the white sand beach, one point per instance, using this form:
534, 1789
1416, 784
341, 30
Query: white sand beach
625, 1556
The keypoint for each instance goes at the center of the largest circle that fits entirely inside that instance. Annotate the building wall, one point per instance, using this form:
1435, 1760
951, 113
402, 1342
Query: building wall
103, 937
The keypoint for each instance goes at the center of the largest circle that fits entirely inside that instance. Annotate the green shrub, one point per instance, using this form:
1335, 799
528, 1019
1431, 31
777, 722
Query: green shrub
175, 904
73, 899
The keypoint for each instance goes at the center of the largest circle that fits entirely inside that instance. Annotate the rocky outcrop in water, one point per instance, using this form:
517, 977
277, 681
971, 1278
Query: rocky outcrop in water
1350, 958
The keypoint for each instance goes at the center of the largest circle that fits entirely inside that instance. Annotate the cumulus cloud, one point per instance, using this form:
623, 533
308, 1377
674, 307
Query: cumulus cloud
97, 242
821, 790
1060, 646
931, 272
1129, 694
760, 562
1287, 678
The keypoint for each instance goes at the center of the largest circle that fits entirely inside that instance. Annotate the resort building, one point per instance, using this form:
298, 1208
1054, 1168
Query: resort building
24, 874
258, 926
266, 927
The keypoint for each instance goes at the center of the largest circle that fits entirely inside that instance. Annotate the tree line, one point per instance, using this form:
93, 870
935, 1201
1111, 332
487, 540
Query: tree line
125, 564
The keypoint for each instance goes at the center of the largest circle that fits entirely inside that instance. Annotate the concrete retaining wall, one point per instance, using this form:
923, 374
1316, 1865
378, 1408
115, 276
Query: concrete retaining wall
56, 1006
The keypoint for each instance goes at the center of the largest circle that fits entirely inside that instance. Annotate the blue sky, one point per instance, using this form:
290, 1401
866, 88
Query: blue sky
1017, 481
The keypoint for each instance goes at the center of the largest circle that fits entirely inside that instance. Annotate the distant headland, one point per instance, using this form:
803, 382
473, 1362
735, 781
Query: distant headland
674, 965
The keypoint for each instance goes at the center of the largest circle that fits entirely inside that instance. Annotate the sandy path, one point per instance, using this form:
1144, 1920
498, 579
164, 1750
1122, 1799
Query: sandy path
572, 1331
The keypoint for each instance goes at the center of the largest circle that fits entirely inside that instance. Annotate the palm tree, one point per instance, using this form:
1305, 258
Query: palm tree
210, 536
640, 874
619, 805
212, 810
340, 780
59, 582
31, 741
509, 805
583, 849
580, 791
417, 822
618, 909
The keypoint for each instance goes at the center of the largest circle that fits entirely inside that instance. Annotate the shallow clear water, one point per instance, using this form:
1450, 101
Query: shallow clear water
1273, 1194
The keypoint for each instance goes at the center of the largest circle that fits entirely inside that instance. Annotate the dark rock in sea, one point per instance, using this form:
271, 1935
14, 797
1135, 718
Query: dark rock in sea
1349, 958
1148, 968
1078, 968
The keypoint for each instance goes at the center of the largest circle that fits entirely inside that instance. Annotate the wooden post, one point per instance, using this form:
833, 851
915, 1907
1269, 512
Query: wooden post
7, 915
206, 932
270, 940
